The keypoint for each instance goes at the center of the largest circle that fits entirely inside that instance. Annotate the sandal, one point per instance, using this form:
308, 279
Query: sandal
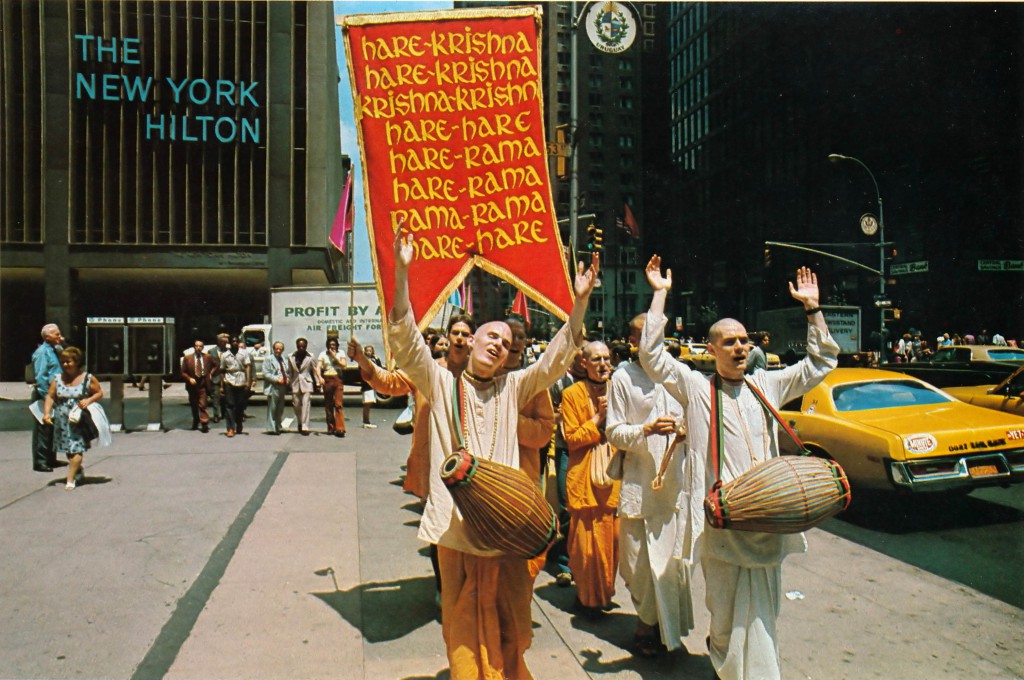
647, 646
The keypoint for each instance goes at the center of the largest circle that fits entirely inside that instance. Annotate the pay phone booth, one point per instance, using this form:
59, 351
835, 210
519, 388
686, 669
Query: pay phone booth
106, 349
151, 342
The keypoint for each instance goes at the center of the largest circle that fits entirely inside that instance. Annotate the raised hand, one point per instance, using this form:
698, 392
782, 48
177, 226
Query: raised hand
355, 349
586, 279
404, 250
806, 289
654, 276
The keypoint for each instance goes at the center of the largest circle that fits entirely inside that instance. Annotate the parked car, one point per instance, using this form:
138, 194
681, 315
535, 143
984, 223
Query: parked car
964, 365
1007, 396
696, 356
891, 431
978, 353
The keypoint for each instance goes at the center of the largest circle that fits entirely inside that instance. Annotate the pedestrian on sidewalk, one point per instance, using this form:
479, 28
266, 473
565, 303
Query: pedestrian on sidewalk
216, 380
486, 595
275, 387
72, 387
46, 367
304, 379
369, 397
235, 369
742, 569
197, 369
331, 365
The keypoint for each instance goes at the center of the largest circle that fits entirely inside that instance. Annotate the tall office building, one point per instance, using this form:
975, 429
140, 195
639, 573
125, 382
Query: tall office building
930, 101
163, 159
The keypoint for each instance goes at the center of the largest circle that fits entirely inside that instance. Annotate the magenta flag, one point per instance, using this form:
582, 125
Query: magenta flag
345, 217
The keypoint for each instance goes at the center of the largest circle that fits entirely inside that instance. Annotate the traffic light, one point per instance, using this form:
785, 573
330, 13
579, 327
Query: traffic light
591, 233
892, 313
561, 152
598, 239
890, 253
767, 257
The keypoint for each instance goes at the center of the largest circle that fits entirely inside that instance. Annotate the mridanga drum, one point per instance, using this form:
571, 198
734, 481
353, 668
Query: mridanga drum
502, 509
783, 495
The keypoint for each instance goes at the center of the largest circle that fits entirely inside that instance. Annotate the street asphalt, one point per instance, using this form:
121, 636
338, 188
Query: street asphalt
193, 556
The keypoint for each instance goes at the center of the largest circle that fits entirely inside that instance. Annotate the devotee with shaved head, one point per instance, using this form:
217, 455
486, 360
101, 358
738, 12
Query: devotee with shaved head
742, 569
486, 595
644, 421
593, 542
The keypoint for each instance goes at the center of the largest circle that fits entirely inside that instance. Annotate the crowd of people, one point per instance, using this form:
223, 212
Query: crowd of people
610, 419
219, 382
912, 347
631, 430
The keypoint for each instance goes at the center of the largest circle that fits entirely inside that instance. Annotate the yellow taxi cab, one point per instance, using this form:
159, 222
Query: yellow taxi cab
696, 356
1007, 396
891, 431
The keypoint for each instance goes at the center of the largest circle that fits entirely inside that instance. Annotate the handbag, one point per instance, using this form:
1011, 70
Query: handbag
606, 465
82, 419
86, 427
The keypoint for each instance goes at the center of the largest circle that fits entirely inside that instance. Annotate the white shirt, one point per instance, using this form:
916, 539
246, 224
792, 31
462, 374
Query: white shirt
633, 401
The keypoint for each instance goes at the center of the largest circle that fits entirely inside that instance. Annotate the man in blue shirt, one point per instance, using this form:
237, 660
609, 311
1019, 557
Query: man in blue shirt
46, 366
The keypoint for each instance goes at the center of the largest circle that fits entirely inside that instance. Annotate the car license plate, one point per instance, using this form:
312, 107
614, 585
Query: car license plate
983, 470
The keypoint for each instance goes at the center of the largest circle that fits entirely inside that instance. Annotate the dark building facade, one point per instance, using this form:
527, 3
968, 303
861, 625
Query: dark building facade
928, 97
163, 159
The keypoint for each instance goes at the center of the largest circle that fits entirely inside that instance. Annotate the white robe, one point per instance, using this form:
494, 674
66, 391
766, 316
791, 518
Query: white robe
649, 561
744, 602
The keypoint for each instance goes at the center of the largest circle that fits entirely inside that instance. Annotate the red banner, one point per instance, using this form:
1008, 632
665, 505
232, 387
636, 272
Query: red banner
448, 107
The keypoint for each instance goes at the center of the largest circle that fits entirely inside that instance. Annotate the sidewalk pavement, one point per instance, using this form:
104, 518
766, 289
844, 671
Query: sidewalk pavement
296, 557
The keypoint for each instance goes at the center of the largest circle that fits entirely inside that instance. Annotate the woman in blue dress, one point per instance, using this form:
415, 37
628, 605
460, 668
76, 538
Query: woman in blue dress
71, 387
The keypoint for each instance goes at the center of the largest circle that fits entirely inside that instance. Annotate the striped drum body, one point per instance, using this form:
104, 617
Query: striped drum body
784, 495
502, 509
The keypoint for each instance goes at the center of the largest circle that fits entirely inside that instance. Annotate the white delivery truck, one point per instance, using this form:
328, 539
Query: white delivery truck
788, 328
312, 312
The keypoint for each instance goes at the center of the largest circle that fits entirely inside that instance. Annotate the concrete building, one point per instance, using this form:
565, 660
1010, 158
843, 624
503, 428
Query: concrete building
163, 159
761, 95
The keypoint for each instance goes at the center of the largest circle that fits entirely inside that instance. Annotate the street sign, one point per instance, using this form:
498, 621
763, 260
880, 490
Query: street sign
1001, 265
908, 268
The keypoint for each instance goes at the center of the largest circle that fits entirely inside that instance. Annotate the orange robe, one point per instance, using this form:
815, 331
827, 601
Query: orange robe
486, 609
593, 543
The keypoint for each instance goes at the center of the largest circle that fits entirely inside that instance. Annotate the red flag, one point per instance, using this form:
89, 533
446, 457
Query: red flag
345, 217
631, 226
440, 154
520, 307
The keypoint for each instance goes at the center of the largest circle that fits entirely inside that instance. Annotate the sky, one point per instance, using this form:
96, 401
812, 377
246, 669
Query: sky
349, 139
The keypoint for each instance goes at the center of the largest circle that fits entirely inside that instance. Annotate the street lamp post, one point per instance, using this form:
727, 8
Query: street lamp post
835, 158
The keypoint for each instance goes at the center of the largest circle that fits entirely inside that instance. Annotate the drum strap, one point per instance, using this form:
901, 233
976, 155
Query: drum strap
717, 428
458, 410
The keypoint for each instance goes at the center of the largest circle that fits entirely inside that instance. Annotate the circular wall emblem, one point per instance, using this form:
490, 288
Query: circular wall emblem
869, 224
611, 26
